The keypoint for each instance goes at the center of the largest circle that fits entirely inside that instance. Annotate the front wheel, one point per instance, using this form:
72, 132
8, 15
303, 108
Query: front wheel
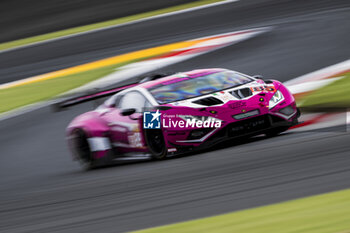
156, 144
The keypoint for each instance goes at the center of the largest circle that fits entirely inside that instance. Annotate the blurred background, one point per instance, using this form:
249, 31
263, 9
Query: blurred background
25, 18
49, 48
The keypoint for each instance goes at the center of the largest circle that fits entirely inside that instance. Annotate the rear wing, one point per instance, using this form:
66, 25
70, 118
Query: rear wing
81, 98
65, 102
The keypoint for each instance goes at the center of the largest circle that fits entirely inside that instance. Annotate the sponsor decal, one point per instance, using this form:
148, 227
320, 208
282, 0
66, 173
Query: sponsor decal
226, 97
238, 105
239, 129
154, 120
189, 121
151, 120
172, 150
263, 88
135, 139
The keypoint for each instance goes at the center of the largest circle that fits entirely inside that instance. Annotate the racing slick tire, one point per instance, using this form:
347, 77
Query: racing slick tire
81, 149
156, 144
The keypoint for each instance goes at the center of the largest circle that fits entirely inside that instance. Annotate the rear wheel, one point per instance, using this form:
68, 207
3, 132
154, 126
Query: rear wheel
81, 149
156, 143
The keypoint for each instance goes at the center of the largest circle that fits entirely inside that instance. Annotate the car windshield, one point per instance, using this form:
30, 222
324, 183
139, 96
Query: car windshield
192, 87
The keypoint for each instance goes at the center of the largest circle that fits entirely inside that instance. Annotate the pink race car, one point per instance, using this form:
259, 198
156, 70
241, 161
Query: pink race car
177, 114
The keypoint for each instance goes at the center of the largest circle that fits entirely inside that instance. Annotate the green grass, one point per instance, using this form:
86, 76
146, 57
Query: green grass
15, 97
334, 95
327, 213
66, 32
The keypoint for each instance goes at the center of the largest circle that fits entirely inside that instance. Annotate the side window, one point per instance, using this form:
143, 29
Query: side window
117, 100
113, 101
133, 99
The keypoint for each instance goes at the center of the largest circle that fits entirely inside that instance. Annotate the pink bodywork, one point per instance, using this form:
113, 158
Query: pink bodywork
121, 130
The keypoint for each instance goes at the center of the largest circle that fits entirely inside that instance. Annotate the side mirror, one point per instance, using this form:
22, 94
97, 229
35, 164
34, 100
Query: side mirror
258, 77
128, 111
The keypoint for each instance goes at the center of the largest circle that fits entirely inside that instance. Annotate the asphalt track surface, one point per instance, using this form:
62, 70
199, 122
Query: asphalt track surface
25, 18
42, 190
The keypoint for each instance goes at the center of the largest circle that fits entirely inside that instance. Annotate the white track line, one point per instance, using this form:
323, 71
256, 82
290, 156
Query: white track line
321, 74
123, 24
311, 86
315, 80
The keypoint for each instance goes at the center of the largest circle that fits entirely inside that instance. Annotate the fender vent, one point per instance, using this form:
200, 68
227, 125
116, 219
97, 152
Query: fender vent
209, 101
242, 93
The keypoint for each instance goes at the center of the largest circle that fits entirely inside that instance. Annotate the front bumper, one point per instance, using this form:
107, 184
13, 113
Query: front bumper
244, 128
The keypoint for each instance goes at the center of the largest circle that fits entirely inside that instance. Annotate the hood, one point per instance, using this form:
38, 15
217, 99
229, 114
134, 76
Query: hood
252, 98
240, 94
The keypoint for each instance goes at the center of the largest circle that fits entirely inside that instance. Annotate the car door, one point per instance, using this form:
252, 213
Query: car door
126, 131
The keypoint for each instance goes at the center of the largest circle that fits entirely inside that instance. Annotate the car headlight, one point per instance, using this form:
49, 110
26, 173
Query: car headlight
276, 98
198, 118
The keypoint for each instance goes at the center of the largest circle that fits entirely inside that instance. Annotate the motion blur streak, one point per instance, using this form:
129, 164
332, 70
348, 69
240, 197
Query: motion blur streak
217, 40
42, 190
102, 63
